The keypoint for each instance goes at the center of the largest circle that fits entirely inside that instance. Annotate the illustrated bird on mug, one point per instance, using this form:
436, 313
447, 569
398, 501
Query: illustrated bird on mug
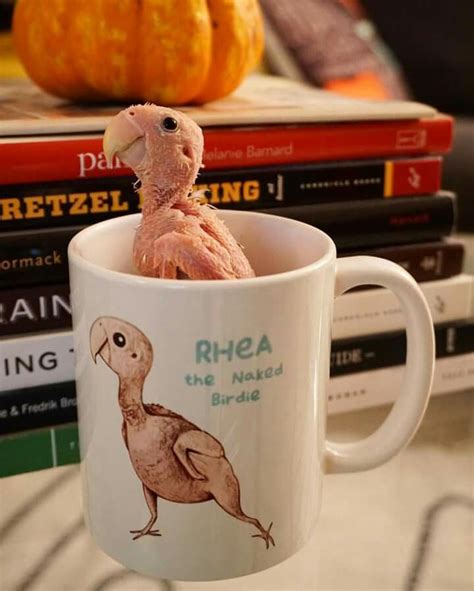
174, 459
178, 236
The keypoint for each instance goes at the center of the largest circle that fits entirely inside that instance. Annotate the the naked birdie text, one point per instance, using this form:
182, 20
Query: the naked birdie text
208, 353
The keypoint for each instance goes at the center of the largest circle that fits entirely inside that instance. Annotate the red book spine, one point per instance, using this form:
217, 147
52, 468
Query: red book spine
412, 176
61, 158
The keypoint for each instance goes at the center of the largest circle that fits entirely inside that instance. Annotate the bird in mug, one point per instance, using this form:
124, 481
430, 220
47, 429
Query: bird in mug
174, 459
179, 236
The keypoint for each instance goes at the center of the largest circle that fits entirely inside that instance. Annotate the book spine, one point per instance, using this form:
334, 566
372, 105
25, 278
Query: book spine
33, 257
312, 183
36, 257
41, 406
39, 450
64, 203
238, 147
351, 224
34, 309
427, 261
41, 359
360, 224
366, 353
373, 310
382, 386
26, 256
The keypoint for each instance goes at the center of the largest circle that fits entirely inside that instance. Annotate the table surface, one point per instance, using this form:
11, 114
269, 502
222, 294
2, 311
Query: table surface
404, 526
408, 525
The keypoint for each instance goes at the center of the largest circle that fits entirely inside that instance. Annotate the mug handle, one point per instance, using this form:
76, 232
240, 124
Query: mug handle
409, 408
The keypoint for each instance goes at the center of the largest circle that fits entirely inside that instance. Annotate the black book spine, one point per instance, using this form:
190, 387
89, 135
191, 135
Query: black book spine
87, 201
427, 261
329, 182
34, 257
34, 309
67, 203
376, 351
360, 224
41, 406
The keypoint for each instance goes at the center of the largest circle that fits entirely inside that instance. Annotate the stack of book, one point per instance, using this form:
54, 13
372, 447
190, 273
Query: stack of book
367, 173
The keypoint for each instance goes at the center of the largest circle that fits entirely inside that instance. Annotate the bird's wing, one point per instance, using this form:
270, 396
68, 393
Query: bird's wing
199, 442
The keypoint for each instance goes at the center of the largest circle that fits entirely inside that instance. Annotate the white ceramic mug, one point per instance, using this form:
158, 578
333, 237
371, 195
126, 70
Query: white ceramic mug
202, 404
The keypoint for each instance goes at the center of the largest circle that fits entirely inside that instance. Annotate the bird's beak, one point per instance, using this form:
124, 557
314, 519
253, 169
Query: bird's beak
99, 342
121, 138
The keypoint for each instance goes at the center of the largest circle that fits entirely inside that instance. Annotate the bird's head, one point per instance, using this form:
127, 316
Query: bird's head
124, 348
163, 147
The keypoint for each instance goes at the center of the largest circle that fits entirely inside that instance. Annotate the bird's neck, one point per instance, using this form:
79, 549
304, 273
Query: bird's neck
130, 401
154, 197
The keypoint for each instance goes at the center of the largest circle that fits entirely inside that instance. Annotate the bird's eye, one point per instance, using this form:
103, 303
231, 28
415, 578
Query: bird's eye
169, 124
118, 339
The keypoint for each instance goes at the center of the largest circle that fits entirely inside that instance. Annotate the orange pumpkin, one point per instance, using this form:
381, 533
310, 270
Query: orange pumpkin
170, 52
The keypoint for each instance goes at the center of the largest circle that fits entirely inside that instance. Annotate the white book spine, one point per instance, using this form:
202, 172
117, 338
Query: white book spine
382, 386
378, 310
46, 358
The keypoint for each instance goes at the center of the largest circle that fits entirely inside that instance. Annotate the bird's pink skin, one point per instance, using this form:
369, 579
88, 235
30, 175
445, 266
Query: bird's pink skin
178, 235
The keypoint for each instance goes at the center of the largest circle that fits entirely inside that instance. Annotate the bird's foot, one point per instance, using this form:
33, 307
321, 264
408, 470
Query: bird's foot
265, 535
144, 532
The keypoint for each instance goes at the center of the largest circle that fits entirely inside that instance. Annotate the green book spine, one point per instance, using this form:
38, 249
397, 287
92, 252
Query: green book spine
38, 450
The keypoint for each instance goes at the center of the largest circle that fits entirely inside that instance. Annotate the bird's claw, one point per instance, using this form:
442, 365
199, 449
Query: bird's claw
143, 532
265, 535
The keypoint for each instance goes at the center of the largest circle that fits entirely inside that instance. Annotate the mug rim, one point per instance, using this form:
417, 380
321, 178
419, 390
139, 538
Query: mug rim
78, 260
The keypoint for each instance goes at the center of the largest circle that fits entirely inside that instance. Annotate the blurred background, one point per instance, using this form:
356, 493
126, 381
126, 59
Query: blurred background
417, 49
